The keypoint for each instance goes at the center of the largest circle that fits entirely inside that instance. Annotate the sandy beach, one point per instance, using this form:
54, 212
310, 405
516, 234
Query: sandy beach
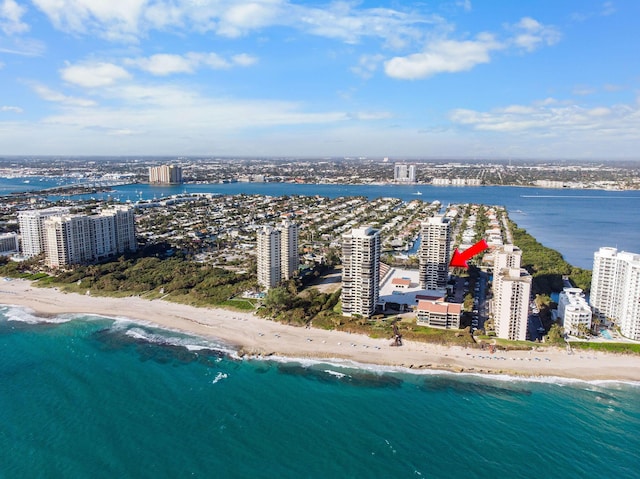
255, 336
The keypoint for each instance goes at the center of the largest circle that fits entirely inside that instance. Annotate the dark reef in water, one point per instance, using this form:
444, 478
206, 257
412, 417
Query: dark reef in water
439, 383
360, 379
156, 349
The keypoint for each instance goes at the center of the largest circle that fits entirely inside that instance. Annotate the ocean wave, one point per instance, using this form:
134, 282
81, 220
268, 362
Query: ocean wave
25, 315
191, 343
347, 366
219, 377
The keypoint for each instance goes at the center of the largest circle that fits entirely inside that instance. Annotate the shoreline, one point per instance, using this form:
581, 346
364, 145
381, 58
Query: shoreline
255, 337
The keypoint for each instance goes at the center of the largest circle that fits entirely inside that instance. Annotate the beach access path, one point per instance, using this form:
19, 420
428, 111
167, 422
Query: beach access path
255, 336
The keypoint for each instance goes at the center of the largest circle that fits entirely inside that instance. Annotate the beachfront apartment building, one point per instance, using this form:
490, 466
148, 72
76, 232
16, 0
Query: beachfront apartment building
67, 239
574, 311
511, 293
289, 255
277, 253
31, 224
404, 173
438, 314
120, 219
360, 271
434, 252
268, 257
511, 297
615, 289
165, 175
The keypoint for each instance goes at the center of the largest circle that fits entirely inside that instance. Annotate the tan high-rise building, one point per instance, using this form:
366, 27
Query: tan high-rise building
68, 240
165, 175
511, 297
360, 272
269, 257
434, 252
277, 253
289, 256
511, 293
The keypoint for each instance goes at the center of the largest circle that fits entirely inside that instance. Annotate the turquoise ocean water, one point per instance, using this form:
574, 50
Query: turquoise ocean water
92, 397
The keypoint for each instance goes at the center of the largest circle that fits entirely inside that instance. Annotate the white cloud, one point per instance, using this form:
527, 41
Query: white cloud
529, 34
551, 119
113, 19
11, 18
448, 56
53, 96
608, 8
129, 20
583, 90
96, 74
13, 109
243, 17
166, 64
464, 4
367, 65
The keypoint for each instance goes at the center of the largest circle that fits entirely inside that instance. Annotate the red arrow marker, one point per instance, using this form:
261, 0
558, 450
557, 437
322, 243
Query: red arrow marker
459, 259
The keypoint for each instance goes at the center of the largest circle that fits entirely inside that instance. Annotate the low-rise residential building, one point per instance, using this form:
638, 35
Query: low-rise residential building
574, 311
438, 314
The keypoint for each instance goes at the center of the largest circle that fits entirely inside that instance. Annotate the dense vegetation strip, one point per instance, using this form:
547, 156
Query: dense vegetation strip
546, 265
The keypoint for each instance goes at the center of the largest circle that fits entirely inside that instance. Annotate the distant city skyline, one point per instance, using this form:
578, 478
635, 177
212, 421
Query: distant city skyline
449, 78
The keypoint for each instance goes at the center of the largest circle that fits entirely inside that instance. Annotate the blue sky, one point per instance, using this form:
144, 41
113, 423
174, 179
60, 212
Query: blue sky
430, 79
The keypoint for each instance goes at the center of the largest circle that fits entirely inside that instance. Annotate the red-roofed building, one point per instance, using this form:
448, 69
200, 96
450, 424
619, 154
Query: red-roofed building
401, 283
438, 314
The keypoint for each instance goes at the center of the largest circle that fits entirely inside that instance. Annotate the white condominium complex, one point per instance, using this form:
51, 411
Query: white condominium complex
404, 173
165, 174
289, 258
434, 252
124, 227
574, 311
360, 271
68, 239
277, 253
32, 229
615, 289
511, 294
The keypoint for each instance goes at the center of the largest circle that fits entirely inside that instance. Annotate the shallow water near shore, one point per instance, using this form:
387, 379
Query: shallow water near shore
91, 397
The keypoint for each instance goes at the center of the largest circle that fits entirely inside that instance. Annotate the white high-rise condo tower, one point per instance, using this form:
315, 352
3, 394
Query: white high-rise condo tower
32, 228
277, 252
289, 257
615, 289
434, 252
404, 173
269, 260
360, 271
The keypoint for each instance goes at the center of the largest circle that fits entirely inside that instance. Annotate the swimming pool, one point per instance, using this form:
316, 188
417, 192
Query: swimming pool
605, 334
